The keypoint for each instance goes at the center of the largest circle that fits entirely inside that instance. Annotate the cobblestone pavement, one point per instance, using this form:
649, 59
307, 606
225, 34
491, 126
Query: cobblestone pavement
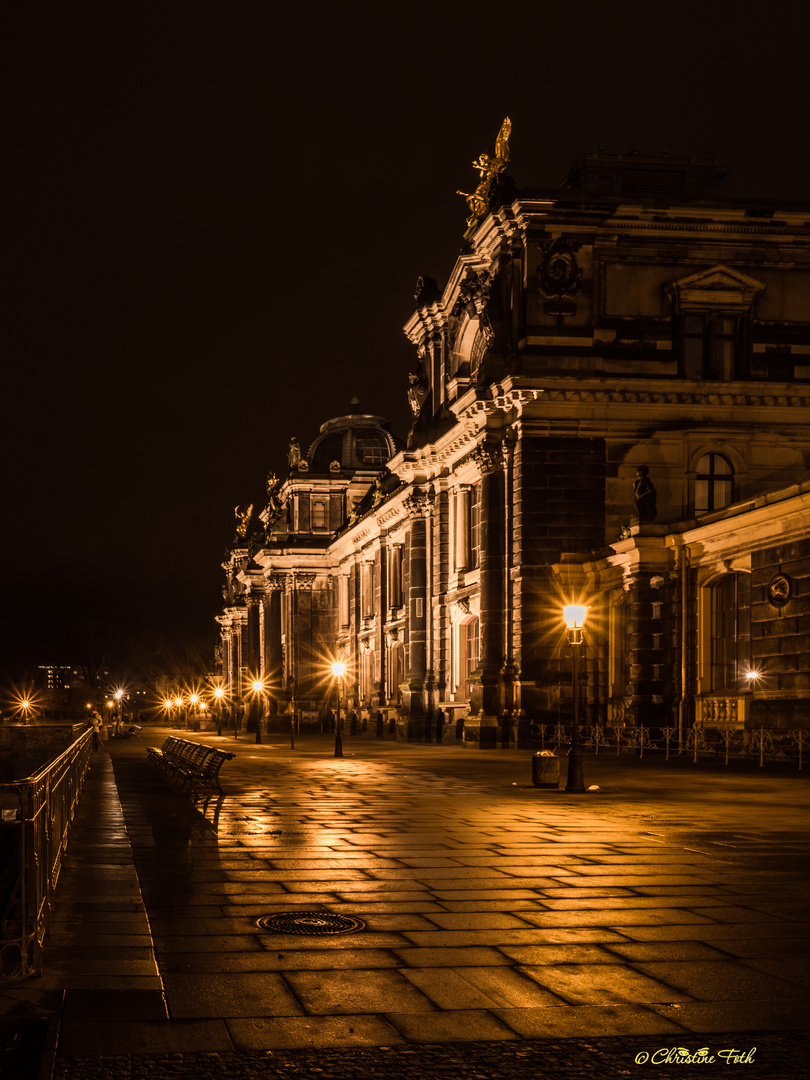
508, 931
760, 1056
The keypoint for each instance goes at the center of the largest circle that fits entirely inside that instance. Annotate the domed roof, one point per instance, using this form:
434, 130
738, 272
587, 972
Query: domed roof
355, 441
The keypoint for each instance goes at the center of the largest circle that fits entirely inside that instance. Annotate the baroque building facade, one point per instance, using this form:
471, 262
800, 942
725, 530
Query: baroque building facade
610, 403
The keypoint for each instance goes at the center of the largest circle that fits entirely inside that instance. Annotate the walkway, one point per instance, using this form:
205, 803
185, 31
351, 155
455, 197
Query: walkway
509, 931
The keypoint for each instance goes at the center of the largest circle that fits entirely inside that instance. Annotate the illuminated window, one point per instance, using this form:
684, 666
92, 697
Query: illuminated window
731, 631
714, 483
318, 514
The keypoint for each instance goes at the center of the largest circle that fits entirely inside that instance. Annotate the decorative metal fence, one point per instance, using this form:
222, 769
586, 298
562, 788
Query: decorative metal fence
765, 744
36, 812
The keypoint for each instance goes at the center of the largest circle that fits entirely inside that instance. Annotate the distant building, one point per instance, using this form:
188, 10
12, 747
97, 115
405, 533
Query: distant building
61, 676
610, 403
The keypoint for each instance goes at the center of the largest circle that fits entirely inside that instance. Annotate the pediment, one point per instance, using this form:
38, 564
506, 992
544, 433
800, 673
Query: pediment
719, 288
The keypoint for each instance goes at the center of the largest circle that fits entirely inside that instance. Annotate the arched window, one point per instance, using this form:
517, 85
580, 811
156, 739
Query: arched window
714, 483
470, 652
731, 631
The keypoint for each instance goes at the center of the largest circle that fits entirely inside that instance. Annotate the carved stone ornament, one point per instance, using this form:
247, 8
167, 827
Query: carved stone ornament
417, 503
779, 590
278, 582
464, 605
303, 465
334, 466
393, 637
365, 644
559, 273
304, 580
488, 456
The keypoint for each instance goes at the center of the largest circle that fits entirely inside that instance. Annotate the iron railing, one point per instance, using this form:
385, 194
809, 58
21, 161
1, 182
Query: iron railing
37, 812
766, 744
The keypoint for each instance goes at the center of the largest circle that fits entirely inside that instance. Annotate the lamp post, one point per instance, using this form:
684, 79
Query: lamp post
219, 694
193, 700
338, 670
25, 705
178, 704
574, 615
258, 688
119, 714
167, 707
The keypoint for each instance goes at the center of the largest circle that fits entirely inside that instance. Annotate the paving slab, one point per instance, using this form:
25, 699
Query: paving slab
493, 914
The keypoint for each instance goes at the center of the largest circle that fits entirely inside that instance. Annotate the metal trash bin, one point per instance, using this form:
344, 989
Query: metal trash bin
545, 769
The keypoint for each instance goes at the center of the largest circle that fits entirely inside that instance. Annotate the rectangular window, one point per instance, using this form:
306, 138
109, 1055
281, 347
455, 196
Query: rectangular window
731, 632
710, 347
475, 526
318, 512
471, 651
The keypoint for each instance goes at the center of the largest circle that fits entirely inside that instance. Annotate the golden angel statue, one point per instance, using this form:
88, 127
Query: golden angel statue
242, 519
488, 168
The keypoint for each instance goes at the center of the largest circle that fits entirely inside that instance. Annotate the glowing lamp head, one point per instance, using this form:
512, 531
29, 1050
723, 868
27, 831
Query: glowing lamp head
258, 686
219, 692
178, 702
751, 675
167, 704
118, 695
574, 615
193, 698
338, 669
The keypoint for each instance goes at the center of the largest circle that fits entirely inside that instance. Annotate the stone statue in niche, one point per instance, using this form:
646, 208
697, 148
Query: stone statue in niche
644, 494
294, 453
418, 388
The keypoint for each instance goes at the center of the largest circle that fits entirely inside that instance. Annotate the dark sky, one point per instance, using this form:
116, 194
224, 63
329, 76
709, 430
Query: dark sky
215, 217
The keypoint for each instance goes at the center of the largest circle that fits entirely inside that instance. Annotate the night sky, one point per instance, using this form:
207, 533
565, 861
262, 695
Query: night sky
215, 218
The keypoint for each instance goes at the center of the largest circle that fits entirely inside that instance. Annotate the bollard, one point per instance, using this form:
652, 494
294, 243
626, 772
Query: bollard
545, 769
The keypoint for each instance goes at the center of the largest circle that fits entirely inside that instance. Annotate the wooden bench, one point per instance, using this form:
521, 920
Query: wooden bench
189, 766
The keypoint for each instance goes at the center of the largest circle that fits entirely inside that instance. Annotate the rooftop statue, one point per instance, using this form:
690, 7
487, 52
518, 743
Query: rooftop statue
488, 168
294, 453
242, 520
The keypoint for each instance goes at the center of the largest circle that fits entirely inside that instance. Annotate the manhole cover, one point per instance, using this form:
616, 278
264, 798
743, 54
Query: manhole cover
310, 922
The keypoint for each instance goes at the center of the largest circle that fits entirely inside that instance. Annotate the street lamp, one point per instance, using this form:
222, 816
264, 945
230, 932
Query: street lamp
178, 703
118, 695
258, 688
25, 705
574, 615
219, 694
338, 670
167, 708
193, 700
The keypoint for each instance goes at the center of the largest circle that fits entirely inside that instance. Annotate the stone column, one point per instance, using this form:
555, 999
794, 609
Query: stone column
411, 722
462, 523
483, 730
273, 666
